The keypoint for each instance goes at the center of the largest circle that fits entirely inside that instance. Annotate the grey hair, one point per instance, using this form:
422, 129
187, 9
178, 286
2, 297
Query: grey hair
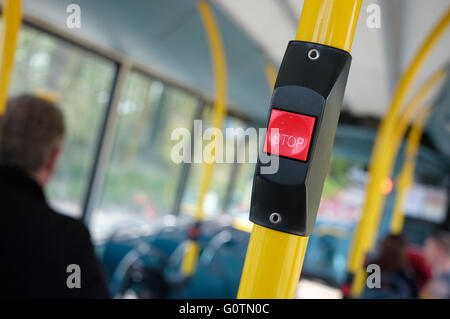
31, 128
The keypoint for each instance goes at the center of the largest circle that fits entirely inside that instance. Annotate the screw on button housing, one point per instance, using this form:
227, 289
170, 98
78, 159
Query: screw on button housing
275, 218
313, 54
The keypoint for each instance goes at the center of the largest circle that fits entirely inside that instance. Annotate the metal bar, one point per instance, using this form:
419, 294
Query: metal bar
219, 112
391, 151
408, 113
329, 22
380, 166
12, 19
104, 144
407, 173
406, 176
271, 73
274, 259
220, 104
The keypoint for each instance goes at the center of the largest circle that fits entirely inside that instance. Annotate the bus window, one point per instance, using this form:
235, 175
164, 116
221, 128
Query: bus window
240, 200
141, 178
216, 197
80, 82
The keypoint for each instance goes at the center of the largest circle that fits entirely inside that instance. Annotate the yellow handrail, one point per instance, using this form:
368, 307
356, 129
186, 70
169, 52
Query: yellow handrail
12, 19
219, 112
271, 73
391, 151
274, 259
381, 161
407, 173
406, 176
329, 22
273, 264
404, 119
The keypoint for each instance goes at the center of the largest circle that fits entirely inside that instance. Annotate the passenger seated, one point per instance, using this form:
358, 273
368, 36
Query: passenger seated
39, 247
437, 251
397, 278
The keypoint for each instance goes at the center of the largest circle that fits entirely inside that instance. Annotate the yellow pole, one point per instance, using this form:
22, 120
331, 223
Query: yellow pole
406, 176
381, 164
274, 259
329, 22
273, 264
390, 153
405, 118
391, 149
12, 17
219, 112
271, 73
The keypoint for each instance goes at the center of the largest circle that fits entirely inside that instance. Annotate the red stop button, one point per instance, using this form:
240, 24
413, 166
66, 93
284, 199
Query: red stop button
289, 134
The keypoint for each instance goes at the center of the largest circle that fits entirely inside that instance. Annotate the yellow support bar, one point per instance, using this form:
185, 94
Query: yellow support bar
329, 22
381, 164
190, 258
394, 142
12, 19
390, 151
220, 81
242, 224
219, 113
407, 174
280, 254
405, 118
271, 73
274, 259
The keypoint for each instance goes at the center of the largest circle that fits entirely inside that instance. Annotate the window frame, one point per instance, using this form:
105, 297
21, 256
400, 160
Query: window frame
105, 136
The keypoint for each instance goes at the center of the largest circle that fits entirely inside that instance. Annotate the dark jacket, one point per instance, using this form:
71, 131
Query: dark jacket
37, 245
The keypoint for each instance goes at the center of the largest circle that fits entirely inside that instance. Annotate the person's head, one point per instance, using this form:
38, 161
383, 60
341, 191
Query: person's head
437, 248
392, 255
31, 136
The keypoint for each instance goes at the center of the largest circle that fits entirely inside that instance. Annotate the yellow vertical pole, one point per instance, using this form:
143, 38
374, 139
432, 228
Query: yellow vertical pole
274, 259
391, 149
407, 173
381, 161
12, 18
329, 22
188, 265
271, 73
273, 264
406, 176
